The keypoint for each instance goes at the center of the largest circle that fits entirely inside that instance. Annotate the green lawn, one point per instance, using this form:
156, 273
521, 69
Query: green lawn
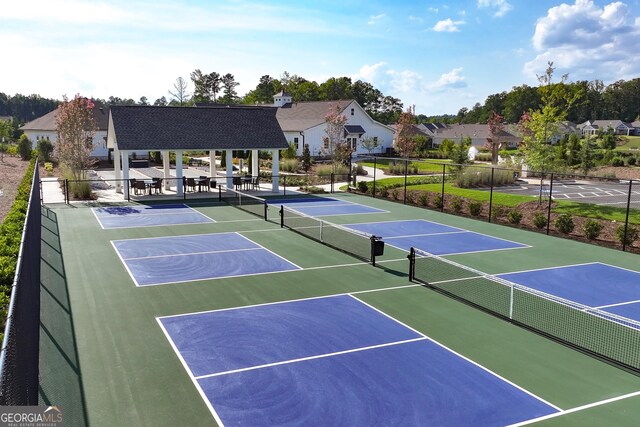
433, 166
605, 212
502, 199
632, 144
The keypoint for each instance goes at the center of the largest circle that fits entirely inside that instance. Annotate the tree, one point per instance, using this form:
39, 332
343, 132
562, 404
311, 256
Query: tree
264, 91
336, 88
45, 148
587, 155
160, 102
143, 101
334, 143
75, 128
213, 83
306, 158
459, 154
370, 144
422, 143
229, 85
608, 139
404, 143
24, 147
496, 133
179, 92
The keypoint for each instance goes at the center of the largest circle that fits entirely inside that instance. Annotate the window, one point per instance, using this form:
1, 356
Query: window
326, 143
375, 139
295, 142
352, 111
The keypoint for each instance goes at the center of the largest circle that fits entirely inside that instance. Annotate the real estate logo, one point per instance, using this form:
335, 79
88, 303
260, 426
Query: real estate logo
31, 416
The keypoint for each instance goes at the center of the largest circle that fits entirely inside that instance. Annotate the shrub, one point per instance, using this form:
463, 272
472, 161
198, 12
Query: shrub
48, 167
514, 216
423, 198
24, 147
45, 148
617, 162
564, 223
289, 165
498, 212
337, 169
313, 190
457, 204
539, 220
438, 201
629, 237
631, 161
384, 192
475, 207
359, 169
481, 177
395, 194
80, 190
363, 187
592, 229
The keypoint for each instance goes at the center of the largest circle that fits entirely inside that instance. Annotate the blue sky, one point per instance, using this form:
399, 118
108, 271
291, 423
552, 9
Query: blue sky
437, 55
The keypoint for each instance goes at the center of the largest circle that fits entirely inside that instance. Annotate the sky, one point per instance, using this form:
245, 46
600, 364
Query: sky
438, 56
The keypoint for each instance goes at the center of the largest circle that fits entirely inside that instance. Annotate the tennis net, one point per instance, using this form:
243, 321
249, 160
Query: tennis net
604, 334
361, 245
246, 202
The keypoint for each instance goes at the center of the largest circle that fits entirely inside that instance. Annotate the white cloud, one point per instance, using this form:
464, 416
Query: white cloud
371, 73
448, 25
451, 80
375, 19
502, 7
586, 39
416, 19
433, 9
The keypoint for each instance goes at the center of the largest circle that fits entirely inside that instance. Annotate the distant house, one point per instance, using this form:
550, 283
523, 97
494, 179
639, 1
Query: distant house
45, 127
303, 123
478, 133
593, 127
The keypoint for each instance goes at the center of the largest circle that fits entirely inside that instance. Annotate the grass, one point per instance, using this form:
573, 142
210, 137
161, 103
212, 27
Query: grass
633, 143
501, 199
423, 166
588, 210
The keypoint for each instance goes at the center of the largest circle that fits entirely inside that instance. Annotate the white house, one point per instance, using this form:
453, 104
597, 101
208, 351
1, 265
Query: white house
45, 127
303, 123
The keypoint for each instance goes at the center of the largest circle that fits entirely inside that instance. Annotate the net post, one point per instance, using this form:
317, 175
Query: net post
493, 169
66, 191
281, 212
626, 220
375, 162
373, 250
511, 298
549, 205
412, 263
266, 207
444, 176
219, 193
332, 178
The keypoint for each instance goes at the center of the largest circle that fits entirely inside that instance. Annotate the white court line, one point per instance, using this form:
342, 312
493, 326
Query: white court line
428, 234
484, 368
577, 409
617, 304
303, 359
194, 253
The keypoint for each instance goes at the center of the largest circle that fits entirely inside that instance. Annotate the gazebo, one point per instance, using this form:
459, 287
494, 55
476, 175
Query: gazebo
179, 129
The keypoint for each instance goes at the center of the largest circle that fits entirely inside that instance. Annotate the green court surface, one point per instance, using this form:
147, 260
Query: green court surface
106, 361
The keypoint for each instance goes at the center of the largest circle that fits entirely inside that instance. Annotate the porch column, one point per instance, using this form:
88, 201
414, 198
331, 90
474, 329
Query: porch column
275, 170
179, 186
117, 169
255, 171
166, 170
229, 160
125, 172
212, 163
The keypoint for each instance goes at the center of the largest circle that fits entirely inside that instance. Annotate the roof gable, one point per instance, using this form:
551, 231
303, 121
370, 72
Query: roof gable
48, 121
298, 116
190, 128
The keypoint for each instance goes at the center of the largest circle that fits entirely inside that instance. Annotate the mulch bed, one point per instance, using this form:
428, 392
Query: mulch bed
12, 170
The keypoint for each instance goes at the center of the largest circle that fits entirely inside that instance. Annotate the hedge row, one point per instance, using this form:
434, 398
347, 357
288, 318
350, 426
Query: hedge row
10, 236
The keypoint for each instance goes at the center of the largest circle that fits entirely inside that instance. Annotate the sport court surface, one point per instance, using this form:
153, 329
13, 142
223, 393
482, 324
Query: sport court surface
323, 206
148, 216
331, 340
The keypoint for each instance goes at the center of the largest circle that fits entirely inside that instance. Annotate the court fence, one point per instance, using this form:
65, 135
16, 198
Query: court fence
611, 337
600, 210
19, 359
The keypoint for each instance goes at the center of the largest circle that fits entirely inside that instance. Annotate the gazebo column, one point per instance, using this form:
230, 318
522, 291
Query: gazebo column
166, 169
255, 171
125, 172
275, 170
179, 186
212, 164
229, 163
117, 169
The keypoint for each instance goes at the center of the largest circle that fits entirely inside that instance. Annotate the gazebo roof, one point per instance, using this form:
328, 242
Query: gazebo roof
188, 128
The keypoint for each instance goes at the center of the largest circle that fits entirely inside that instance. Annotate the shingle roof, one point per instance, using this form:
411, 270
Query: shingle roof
48, 121
202, 128
456, 132
298, 116
352, 129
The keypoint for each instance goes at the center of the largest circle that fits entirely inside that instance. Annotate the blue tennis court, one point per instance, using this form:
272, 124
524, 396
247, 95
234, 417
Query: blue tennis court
324, 206
148, 216
161, 260
336, 361
610, 289
434, 238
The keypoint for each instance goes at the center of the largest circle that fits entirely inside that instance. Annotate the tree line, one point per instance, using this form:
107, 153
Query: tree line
593, 101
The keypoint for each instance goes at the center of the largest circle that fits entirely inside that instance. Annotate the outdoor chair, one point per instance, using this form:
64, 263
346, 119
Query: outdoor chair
237, 182
203, 182
157, 185
191, 184
255, 183
139, 187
